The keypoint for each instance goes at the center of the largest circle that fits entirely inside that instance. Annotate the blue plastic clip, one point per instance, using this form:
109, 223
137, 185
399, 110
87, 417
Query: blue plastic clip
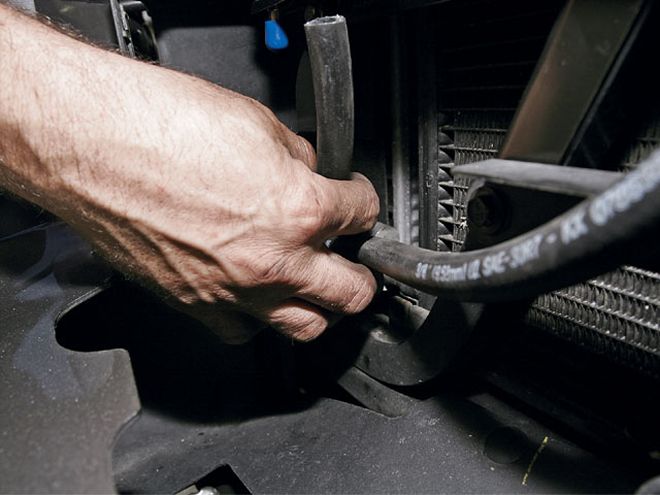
276, 38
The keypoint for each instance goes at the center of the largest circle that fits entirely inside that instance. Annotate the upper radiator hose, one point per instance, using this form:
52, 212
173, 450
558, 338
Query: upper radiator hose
330, 60
591, 238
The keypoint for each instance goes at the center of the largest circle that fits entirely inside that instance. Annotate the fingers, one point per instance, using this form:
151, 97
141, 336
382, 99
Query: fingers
336, 284
329, 285
231, 326
302, 150
299, 320
349, 206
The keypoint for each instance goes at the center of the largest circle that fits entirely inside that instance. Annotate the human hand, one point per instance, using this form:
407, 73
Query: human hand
239, 222
194, 191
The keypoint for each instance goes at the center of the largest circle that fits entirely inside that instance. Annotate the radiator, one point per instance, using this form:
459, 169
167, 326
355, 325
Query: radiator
486, 54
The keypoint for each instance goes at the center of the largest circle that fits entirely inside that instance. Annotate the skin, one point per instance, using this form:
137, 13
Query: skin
197, 192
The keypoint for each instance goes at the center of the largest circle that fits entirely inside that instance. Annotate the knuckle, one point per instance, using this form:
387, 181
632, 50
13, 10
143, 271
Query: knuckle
306, 329
369, 208
308, 209
372, 207
272, 270
361, 296
299, 325
306, 150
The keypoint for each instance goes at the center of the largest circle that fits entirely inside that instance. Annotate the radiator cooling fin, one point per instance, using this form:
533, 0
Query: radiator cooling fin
485, 62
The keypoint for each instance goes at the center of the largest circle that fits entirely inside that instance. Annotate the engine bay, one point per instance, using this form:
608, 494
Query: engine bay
479, 122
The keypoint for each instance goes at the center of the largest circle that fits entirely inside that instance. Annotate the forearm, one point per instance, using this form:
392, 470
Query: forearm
97, 138
196, 191
73, 116
49, 125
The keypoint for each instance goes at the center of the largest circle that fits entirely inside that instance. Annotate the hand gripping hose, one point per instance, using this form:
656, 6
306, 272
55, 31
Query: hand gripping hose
593, 237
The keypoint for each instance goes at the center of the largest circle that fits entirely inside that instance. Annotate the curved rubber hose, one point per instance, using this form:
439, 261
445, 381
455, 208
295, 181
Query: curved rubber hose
591, 238
330, 59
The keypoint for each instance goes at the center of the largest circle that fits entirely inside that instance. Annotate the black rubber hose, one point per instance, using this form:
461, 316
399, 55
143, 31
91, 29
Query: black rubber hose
330, 59
594, 237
